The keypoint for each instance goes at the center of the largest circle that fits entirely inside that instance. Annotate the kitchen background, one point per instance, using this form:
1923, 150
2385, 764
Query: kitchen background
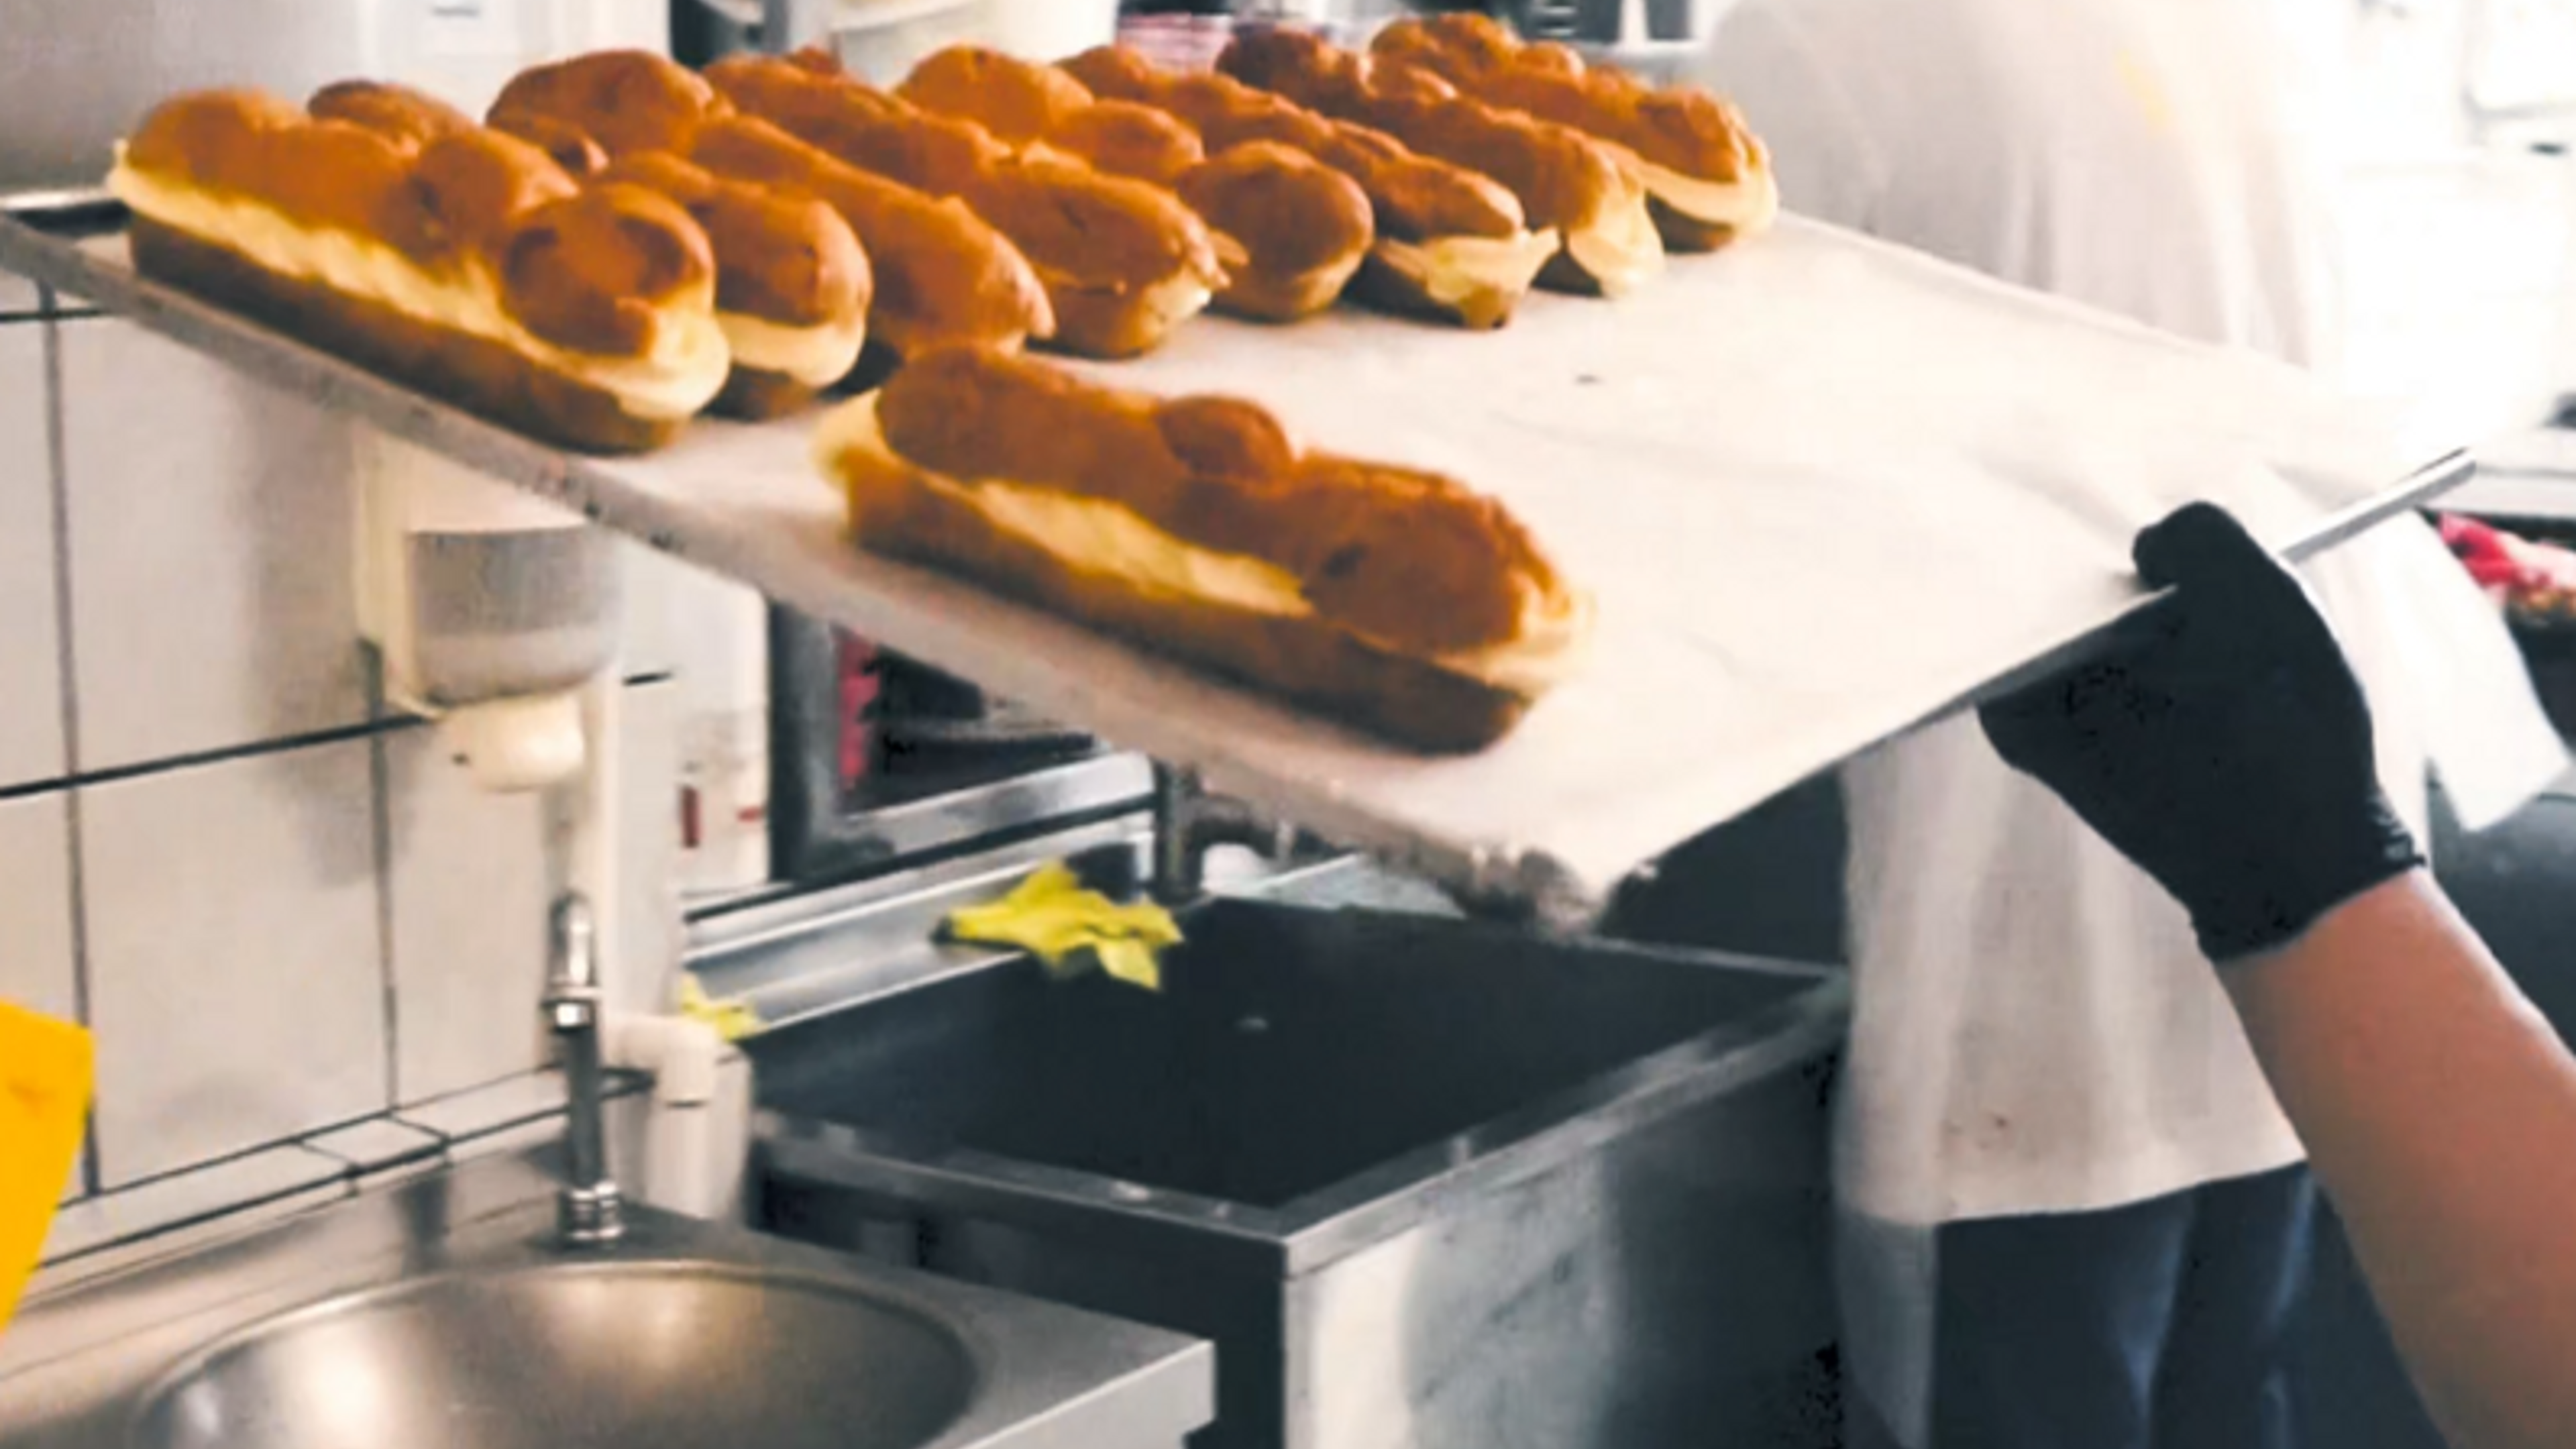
310, 947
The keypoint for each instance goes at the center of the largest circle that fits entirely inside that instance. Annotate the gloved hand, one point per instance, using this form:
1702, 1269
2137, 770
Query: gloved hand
2226, 750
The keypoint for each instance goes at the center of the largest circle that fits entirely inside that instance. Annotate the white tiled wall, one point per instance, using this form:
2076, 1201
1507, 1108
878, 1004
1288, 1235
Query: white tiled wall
235, 965
283, 912
210, 528
36, 903
31, 713
468, 902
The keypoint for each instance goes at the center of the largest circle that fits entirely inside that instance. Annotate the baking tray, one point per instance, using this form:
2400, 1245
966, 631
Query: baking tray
1825, 489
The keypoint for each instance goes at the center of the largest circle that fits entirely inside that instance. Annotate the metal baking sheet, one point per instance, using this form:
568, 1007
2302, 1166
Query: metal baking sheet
1824, 489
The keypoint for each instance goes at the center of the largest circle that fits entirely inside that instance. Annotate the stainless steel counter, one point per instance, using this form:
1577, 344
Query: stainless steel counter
81, 1367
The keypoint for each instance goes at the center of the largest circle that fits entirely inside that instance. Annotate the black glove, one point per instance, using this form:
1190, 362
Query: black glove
2226, 748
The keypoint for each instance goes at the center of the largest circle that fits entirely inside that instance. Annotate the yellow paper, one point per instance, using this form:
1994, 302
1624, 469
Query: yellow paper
1053, 918
44, 1104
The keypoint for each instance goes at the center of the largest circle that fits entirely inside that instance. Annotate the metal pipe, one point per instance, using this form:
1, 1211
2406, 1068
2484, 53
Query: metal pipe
588, 1210
1176, 859
1188, 821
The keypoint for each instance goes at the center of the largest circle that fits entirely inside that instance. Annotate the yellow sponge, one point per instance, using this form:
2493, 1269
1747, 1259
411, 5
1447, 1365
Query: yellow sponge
1053, 918
732, 1019
44, 1102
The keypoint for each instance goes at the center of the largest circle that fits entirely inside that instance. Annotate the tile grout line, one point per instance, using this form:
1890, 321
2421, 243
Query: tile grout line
237, 1156
57, 469
380, 787
224, 754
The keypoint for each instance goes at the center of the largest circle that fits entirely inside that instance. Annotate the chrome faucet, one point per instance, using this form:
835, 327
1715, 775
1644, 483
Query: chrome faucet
588, 1210
1188, 822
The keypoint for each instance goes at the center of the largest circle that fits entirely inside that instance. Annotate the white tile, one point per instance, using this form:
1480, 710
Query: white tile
36, 904
680, 619
190, 1197
31, 706
36, 960
648, 583
235, 967
626, 1123
17, 295
372, 1146
468, 885
650, 933
210, 553
486, 1110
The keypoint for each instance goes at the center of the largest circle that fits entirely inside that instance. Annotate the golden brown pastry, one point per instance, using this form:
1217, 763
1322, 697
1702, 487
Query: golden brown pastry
1124, 262
1025, 104
465, 263
1708, 178
625, 100
568, 145
1297, 230
1305, 228
1451, 244
412, 118
1589, 193
944, 277
1399, 601
1123, 138
1017, 100
792, 284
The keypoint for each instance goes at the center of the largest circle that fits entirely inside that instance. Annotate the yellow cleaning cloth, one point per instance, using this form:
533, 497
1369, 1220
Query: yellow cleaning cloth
732, 1019
44, 1101
1053, 918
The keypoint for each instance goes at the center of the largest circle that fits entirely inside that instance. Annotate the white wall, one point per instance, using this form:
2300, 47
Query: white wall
2459, 279
293, 924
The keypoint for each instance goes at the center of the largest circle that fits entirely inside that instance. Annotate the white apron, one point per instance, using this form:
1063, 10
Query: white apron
2034, 1030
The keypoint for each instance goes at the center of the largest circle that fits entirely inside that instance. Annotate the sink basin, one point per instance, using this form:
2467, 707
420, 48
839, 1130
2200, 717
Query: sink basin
444, 1312
1423, 1182
1289, 1051
620, 1356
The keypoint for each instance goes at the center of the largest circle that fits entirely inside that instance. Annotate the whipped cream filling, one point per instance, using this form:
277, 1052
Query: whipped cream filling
1179, 297
1748, 205
1171, 301
678, 375
815, 356
1455, 269
1112, 538
1622, 251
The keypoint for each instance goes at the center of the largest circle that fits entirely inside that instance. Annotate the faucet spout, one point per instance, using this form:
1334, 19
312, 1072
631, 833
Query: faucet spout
1188, 821
588, 1210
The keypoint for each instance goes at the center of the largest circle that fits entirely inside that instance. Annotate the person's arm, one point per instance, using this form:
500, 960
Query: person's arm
2439, 1110
2228, 751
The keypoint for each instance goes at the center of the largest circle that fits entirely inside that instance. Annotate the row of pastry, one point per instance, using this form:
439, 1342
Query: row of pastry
624, 242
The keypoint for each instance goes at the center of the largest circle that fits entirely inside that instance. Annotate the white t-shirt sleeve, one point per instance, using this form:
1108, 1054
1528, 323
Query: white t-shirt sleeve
1763, 59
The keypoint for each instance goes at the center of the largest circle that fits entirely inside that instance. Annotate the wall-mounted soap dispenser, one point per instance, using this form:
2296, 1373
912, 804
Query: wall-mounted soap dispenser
496, 615
491, 609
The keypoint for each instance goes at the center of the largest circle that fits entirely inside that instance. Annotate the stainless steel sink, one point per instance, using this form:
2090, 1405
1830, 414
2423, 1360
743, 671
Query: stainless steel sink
1424, 1182
651, 1356
446, 1313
